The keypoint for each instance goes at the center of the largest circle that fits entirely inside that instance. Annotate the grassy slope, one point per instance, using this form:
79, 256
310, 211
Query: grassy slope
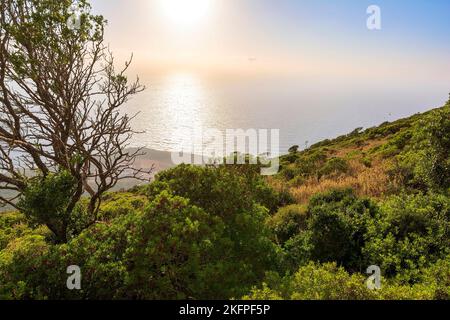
360, 160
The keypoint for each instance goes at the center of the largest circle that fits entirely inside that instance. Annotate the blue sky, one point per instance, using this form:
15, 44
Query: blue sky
418, 24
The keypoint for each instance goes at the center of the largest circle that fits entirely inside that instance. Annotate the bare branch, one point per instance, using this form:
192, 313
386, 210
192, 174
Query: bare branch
60, 104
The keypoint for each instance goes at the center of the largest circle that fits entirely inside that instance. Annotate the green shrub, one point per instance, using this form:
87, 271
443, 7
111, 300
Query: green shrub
176, 248
329, 282
309, 163
19, 262
408, 234
46, 200
298, 250
15, 225
121, 203
437, 277
297, 181
338, 225
425, 164
436, 133
333, 166
316, 282
288, 222
288, 172
367, 162
293, 149
290, 158
220, 190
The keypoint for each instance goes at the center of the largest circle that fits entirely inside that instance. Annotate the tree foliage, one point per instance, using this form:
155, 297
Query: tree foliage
60, 99
174, 248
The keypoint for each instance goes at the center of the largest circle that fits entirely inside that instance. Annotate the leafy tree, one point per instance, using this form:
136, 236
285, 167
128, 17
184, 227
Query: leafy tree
60, 98
45, 201
178, 253
239, 200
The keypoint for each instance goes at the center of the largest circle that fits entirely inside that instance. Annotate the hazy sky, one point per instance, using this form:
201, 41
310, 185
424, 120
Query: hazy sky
312, 38
310, 67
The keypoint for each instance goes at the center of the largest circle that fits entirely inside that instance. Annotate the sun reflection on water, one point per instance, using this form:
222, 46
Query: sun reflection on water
175, 103
185, 106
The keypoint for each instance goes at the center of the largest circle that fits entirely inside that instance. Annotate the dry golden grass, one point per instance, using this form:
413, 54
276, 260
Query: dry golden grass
367, 182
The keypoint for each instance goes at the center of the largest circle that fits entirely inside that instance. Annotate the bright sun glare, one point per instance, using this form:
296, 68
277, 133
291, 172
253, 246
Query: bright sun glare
186, 13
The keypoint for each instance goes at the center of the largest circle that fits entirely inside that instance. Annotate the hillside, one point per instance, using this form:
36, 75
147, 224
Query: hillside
373, 197
368, 161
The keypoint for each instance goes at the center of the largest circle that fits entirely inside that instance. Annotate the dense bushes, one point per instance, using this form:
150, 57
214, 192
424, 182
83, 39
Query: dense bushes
14, 225
332, 229
181, 245
408, 234
216, 232
223, 190
288, 222
314, 282
434, 168
116, 204
98, 251
173, 247
297, 168
308, 164
329, 282
425, 162
195, 254
338, 224
333, 166
19, 265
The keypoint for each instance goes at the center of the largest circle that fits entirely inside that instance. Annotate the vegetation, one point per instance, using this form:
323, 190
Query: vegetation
221, 232
60, 120
373, 197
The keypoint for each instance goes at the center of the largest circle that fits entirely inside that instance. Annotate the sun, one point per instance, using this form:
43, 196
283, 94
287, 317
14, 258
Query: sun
186, 13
